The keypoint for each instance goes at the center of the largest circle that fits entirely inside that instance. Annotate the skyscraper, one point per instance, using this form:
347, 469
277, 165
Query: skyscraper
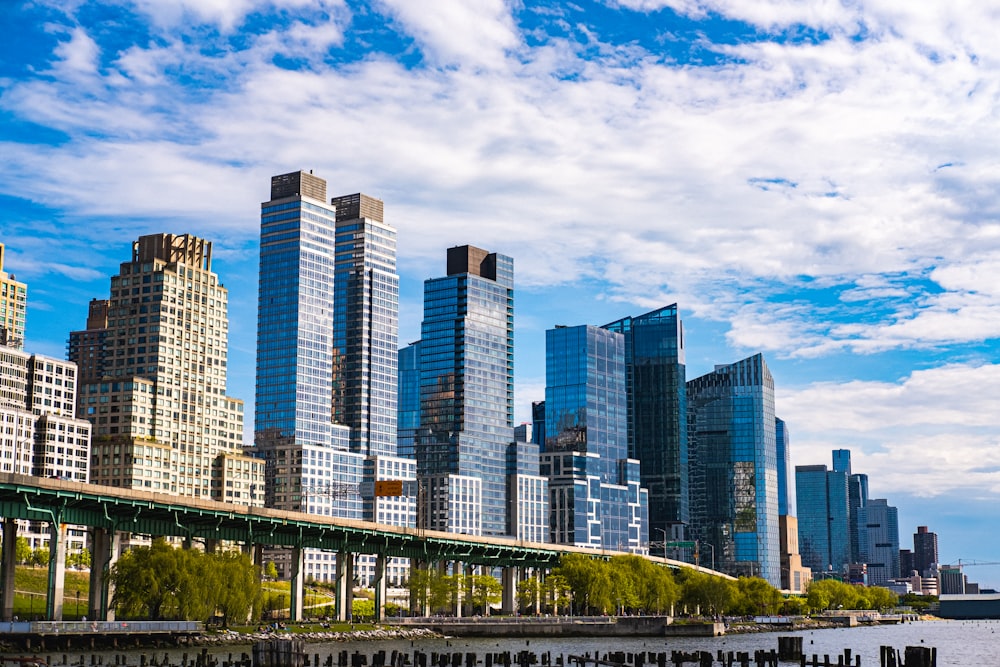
327, 358
925, 551
13, 308
734, 467
882, 523
595, 496
467, 393
365, 325
156, 397
657, 413
824, 519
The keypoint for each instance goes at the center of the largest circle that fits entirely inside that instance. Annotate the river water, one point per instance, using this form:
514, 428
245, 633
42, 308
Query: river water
958, 643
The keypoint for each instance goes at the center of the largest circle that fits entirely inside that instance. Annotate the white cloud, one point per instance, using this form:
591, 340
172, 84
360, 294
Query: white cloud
718, 186
939, 425
459, 32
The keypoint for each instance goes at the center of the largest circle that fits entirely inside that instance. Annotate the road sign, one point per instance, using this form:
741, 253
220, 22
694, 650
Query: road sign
389, 487
681, 545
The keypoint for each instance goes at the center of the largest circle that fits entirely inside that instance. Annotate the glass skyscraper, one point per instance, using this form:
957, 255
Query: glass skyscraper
327, 356
881, 521
295, 356
824, 519
657, 413
596, 499
467, 393
734, 467
365, 325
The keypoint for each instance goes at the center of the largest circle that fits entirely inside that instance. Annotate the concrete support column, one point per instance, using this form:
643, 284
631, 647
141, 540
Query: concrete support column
539, 575
57, 571
467, 573
8, 558
105, 546
508, 601
211, 545
297, 566
345, 586
456, 596
378, 583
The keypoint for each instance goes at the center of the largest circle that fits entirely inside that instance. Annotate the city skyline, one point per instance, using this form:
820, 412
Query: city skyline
812, 186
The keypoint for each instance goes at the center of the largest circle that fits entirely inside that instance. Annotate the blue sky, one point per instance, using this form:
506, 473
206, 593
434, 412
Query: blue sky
814, 181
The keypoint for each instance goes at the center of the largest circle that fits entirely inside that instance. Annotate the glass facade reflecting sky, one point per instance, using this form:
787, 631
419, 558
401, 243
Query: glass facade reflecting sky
657, 413
734, 467
365, 325
467, 377
295, 312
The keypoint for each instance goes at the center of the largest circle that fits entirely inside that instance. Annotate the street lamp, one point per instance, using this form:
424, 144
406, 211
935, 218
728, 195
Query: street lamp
712, 547
664, 533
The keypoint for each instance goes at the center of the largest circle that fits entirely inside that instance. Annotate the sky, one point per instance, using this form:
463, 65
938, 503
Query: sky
814, 181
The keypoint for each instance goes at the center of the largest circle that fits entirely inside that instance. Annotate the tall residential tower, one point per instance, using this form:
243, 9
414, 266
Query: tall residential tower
467, 393
156, 396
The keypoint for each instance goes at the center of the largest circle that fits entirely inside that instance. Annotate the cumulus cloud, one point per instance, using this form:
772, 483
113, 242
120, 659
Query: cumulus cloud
940, 425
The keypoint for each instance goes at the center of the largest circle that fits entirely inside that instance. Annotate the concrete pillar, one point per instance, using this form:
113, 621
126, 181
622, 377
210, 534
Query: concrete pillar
508, 602
8, 559
57, 571
105, 546
211, 545
345, 586
539, 588
297, 567
467, 573
456, 596
378, 584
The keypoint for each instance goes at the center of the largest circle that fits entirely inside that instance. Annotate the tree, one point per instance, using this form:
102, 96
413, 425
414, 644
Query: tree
162, 583
557, 592
711, 594
271, 570
240, 590
756, 596
529, 594
486, 591
40, 556
590, 581
22, 550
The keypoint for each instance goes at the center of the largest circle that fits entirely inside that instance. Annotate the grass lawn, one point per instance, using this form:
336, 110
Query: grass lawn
31, 584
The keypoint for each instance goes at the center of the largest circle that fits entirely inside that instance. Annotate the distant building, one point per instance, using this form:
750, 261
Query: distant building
824, 520
734, 468
596, 499
906, 567
794, 576
925, 551
882, 524
13, 308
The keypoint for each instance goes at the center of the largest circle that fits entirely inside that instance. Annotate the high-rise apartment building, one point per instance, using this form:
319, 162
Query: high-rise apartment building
925, 552
327, 359
824, 519
365, 325
467, 393
595, 497
156, 396
657, 414
734, 468
881, 520
13, 308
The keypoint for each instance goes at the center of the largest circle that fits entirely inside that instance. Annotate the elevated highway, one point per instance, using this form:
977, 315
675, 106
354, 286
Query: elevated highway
109, 512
